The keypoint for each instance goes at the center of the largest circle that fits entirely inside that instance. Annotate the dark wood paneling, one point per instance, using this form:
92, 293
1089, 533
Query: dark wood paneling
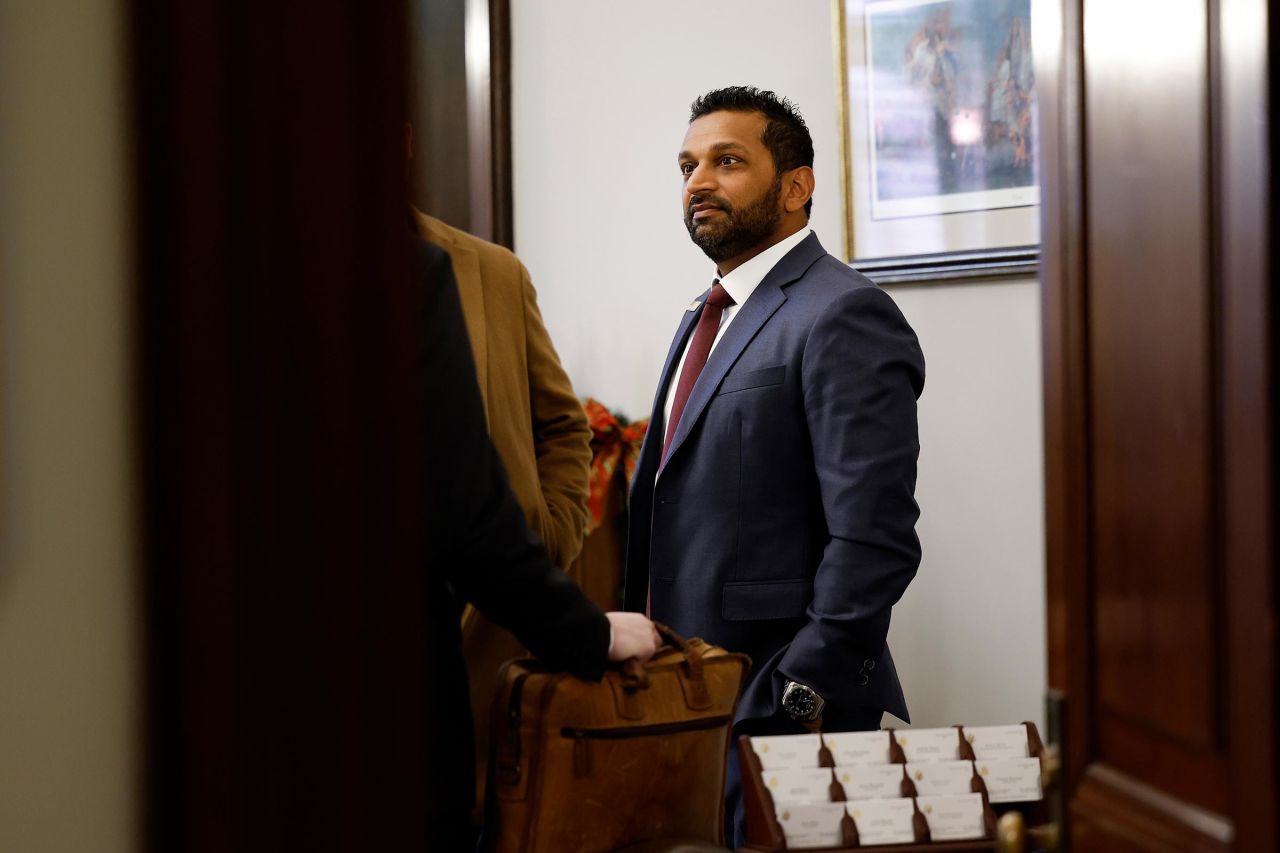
1160, 470
461, 110
1196, 775
1151, 360
439, 175
281, 434
1114, 813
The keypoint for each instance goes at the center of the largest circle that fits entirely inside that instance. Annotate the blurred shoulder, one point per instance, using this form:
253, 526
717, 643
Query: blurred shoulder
492, 257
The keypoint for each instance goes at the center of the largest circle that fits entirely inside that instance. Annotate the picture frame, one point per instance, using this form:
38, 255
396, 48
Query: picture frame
937, 116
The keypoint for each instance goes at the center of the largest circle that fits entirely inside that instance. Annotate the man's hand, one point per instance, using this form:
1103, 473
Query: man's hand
633, 636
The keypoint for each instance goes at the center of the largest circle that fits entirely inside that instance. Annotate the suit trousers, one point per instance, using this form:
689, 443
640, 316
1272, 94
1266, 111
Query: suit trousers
735, 822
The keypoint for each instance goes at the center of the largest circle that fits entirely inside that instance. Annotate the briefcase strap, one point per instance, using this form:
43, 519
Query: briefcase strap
692, 652
692, 681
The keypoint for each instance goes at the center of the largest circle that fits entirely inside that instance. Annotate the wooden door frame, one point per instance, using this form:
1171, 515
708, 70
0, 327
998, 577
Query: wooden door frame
1244, 154
502, 199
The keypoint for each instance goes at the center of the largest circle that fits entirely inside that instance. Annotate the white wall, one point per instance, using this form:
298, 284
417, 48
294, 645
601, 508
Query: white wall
969, 636
69, 633
601, 93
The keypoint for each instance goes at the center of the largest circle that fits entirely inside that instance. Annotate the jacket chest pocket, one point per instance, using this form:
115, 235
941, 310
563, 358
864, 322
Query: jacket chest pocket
762, 378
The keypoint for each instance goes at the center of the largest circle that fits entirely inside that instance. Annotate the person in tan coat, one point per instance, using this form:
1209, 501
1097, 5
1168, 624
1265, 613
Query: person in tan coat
535, 420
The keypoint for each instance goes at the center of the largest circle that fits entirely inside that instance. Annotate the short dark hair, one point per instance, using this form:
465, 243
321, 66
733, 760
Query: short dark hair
785, 133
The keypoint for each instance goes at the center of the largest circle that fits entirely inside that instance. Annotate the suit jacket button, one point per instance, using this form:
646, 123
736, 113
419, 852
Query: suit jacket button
868, 664
864, 681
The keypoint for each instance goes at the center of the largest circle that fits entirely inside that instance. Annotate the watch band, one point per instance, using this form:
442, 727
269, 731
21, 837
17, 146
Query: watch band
802, 703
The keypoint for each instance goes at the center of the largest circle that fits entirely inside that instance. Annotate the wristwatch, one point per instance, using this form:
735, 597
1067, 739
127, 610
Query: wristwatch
802, 702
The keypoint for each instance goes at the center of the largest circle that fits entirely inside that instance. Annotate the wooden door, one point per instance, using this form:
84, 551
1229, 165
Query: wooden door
279, 337
1159, 464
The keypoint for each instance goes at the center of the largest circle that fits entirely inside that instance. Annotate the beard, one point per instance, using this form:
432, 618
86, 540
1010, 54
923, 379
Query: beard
740, 228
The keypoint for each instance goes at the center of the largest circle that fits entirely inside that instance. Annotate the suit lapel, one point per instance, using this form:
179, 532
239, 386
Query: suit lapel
673, 355
657, 431
750, 318
466, 270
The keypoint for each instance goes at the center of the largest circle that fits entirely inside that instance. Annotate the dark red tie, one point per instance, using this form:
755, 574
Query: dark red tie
696, 357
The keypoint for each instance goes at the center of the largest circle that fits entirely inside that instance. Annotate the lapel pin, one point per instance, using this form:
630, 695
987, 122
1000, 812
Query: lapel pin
693, 306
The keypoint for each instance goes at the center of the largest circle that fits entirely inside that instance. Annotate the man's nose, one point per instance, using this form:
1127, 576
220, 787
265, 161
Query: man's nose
701, 181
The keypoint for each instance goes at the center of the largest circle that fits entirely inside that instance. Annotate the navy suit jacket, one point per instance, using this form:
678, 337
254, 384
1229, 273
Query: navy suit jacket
783, 521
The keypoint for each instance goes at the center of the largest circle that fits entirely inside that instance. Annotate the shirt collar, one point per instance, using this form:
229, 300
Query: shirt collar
743, 281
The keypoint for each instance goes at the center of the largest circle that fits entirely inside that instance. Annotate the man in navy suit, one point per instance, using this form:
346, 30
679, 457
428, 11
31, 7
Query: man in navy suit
772, 509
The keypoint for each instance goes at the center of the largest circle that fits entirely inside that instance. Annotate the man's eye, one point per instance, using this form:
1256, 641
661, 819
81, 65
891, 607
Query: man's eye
727, 160
686, 168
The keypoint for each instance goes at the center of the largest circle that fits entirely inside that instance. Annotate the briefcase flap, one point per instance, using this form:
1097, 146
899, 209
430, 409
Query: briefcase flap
687, 682
590, 766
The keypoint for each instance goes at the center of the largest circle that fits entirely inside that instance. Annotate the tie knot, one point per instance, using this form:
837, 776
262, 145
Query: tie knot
719, 297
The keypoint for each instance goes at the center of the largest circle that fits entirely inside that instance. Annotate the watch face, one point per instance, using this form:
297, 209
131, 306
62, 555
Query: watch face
800, 702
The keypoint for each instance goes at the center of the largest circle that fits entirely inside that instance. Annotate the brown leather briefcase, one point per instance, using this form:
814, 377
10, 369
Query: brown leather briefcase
582, 766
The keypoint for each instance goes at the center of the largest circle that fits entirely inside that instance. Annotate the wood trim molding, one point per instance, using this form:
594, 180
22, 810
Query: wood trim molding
488, 27
1119, 807
500, 120
1059, 61
1243, 219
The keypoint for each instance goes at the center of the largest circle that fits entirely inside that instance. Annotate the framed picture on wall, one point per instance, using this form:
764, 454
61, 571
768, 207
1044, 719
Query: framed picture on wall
937, 107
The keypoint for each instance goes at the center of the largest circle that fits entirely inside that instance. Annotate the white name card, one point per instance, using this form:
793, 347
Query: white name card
852, 748
787, 750
1012, 780
871, 782
791, 785
883, 821
941, 777
954, 818
929, 744
814, 825
997, 741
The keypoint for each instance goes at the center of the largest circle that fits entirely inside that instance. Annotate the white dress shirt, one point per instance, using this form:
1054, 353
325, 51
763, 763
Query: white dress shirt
740, 284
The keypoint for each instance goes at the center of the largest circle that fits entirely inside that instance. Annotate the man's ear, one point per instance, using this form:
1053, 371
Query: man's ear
797, 188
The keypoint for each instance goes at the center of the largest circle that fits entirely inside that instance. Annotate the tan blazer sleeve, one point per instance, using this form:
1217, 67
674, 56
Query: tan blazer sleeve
561, 438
